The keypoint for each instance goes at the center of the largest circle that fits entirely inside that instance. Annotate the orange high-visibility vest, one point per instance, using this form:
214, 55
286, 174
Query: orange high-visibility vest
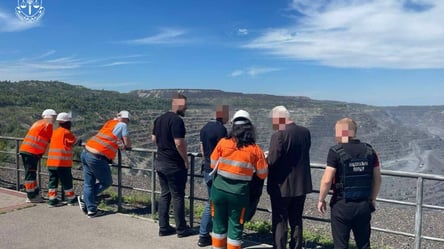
37, 138
238, 164
60, 148
105, 141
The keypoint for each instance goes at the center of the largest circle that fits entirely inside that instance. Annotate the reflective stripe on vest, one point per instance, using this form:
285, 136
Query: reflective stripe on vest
238, 164
105, 141
60, 149
235, 170
37, 138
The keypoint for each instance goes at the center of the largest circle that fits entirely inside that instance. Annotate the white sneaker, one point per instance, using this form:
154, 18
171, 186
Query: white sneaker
82, 204
37, 199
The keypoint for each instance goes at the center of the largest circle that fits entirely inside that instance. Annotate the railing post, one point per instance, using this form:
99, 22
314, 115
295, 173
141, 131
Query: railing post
153, 186
418, 214
39, 174
192, 161
119, 180
17, 165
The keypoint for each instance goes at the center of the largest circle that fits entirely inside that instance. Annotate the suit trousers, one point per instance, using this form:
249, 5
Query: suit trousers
287, 211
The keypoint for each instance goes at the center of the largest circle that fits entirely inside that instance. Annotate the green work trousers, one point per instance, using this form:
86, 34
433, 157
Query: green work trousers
229, 213
62, 174
30, 163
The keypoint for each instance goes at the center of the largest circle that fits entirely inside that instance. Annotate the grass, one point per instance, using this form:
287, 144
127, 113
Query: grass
258, 226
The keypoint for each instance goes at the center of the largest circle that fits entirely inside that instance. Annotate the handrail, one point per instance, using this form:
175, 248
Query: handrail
421, 177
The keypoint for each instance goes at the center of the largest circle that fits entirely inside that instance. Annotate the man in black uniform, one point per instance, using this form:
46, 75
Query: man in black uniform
354, 174
289, 177
210, 134
171, 165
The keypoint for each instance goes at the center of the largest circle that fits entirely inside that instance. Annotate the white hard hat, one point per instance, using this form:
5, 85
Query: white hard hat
64, 117
48, 113
241, 114
124, 114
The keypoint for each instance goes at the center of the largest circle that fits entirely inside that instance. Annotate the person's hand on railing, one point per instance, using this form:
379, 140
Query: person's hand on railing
79, 142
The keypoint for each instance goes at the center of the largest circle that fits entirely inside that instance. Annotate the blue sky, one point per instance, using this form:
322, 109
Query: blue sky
380, 52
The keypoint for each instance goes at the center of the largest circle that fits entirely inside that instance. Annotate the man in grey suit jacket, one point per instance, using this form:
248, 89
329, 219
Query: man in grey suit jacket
289, 178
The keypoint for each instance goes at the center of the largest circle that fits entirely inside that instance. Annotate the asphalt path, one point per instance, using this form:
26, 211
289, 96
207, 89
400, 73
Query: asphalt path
24, 225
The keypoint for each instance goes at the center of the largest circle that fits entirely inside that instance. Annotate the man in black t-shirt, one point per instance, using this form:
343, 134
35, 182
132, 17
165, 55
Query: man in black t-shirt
353, 170
171, 165
210, 134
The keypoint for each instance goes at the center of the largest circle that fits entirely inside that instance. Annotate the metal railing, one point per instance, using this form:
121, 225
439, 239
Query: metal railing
419, 199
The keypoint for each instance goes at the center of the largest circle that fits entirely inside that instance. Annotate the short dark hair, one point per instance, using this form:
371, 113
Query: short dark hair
179, 96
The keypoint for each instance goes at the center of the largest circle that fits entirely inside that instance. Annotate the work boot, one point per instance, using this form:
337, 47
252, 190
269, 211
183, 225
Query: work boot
36, 199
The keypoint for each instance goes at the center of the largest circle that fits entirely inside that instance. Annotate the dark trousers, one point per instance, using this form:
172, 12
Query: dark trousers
287, 210
351, 216
172, 183
30, 163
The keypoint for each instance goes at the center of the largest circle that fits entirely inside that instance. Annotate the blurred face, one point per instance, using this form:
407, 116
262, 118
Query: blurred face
278, 119
179, 106
278, 123
343, 133
222, 113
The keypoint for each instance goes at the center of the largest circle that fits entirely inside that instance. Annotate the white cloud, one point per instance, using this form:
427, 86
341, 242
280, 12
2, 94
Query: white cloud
242, 32
50, 66
362, 33
11, 23
236, 73
166, 36
253, 71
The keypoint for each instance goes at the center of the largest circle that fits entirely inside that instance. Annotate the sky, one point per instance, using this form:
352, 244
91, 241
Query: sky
376, 52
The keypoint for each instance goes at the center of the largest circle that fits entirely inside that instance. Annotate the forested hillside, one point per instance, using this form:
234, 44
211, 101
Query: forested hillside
21, 103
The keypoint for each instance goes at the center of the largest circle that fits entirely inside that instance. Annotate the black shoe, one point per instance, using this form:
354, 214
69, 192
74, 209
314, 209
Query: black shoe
185, 233
169, 231
204, 241
95, 214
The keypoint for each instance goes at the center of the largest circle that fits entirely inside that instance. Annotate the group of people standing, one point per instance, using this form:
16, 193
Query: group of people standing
234, 169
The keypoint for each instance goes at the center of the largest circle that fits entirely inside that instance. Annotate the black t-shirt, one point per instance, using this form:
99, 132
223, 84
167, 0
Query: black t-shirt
166, 128
355, 149
210, 134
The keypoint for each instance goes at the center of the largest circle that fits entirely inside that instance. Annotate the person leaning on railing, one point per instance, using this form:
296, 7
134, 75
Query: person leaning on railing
32, 149
98, 153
